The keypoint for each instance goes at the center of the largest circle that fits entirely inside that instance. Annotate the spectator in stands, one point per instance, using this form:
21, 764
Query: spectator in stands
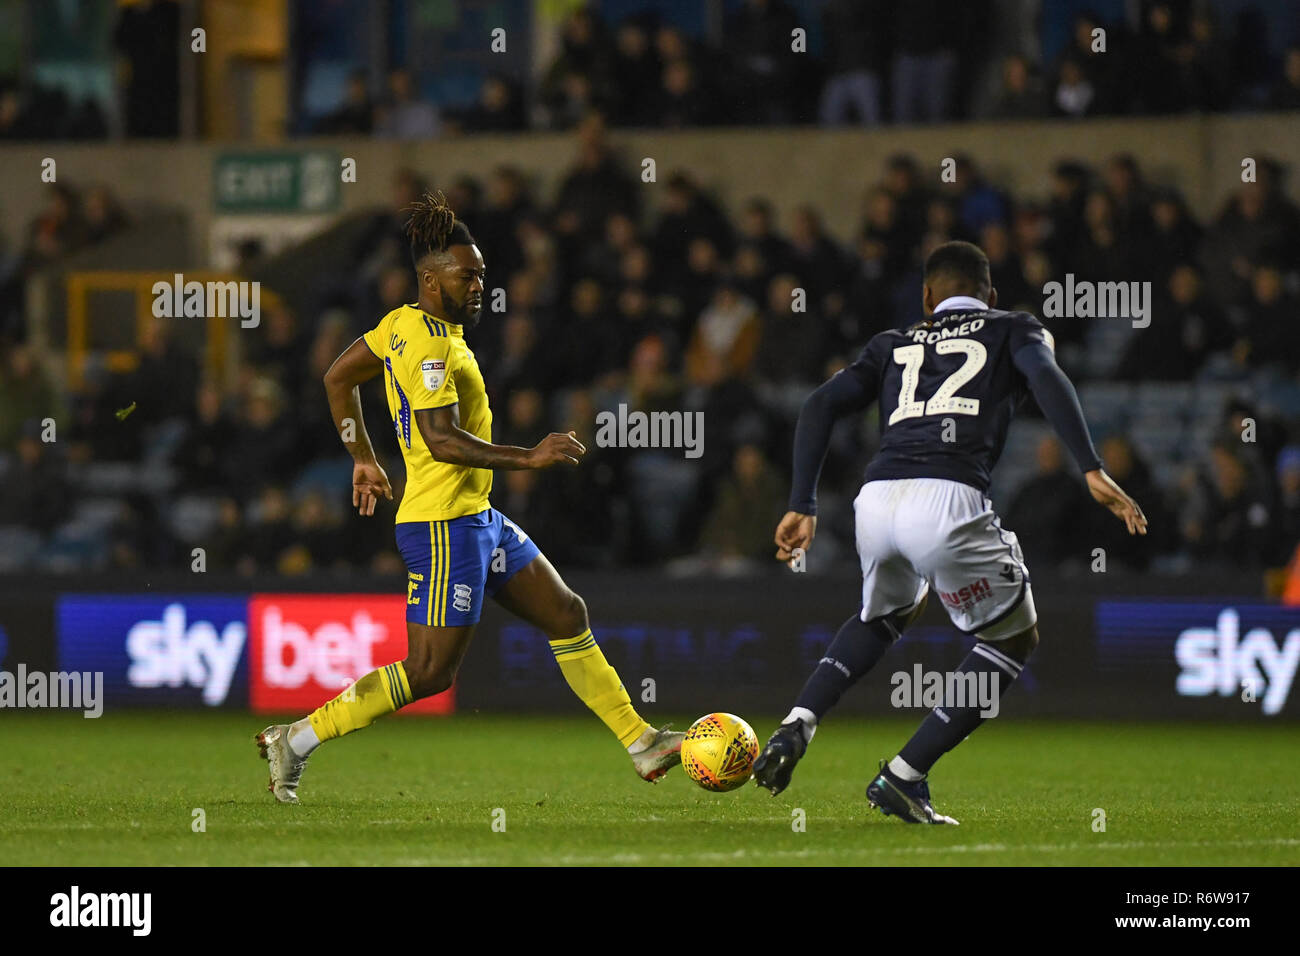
356, 114
1176, 238
1287, 518
1022, 95
1269, 323
264, 448
578, 80
586, 345
499, 108
686, 213
1227, 520
925, 61
1186, 327
103, 214
726, 336
148, 36
1091, 68
404, 115
766, 72
814, 257
201, 458
791, 342
735, 540
1074, 95
13, 125
162, 384
58, 230
978, 203
1258, 223
38, 494
682, 101
1286, 94
855, 62
1124, 464
27, 394
1045, 512
635, 60
1160, 63
594, 188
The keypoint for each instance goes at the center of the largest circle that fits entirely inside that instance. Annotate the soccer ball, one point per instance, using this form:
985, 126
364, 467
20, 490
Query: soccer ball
718, 752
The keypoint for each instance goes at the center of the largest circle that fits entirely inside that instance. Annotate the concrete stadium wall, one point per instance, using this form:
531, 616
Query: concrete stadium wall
1200, 155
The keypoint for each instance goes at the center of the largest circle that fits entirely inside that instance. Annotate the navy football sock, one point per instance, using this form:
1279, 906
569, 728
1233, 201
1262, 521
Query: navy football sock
856, 649
948, 724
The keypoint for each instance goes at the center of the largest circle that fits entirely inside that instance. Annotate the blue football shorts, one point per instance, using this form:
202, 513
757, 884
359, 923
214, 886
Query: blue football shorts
450, 565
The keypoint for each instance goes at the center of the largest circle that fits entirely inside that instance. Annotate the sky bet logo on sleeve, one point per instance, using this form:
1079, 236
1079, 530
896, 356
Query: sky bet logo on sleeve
176, 650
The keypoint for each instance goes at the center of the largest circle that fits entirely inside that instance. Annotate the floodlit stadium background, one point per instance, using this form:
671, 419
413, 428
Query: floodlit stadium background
649, 183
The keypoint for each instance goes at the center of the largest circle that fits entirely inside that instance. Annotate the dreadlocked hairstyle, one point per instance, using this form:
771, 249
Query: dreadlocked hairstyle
433, 227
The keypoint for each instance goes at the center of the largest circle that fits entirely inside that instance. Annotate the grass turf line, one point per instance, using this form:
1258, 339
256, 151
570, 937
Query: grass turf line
121, 790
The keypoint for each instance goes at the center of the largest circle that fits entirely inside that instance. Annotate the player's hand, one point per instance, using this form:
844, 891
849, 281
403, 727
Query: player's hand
369, 484
1106, 492
794, 531
557, 448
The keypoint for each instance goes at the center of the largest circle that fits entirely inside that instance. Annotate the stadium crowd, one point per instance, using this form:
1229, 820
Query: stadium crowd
867, 61
693, 309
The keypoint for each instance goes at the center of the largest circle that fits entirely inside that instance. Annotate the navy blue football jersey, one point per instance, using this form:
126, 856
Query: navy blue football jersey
948, 388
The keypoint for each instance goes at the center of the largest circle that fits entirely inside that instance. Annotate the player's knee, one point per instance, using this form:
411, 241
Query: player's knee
1019, 646
573, 615
427, 676
427, 672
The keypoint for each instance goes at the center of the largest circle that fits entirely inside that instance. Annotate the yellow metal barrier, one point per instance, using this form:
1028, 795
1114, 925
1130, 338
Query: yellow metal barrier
80, 285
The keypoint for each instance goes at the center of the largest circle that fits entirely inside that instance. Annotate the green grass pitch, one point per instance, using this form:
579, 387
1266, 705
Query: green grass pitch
122, 790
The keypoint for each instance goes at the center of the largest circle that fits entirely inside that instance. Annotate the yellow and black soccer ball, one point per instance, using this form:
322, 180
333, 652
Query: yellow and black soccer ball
719, 751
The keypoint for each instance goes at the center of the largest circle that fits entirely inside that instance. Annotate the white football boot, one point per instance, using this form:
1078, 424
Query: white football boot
286, 766
664, 753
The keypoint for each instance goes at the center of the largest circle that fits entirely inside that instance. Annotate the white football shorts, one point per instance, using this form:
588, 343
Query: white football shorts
920, 533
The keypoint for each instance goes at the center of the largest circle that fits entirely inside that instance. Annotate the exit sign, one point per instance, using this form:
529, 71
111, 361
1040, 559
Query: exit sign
276, 182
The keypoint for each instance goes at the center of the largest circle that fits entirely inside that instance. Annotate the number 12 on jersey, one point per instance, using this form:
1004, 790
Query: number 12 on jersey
945, 400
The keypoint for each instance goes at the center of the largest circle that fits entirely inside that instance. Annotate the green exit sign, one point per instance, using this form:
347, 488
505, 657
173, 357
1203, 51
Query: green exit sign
276, 182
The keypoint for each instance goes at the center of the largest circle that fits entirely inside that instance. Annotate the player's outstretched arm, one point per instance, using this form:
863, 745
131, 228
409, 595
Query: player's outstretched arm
853, 389
449, 443
343, 379
1106, 492
1060, 404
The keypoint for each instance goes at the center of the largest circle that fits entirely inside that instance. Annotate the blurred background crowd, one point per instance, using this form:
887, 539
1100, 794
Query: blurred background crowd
414, 69
694, 306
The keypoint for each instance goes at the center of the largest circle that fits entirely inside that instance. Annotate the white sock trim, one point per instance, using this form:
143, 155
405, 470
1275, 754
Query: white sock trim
902, 769
302, 737
805, 717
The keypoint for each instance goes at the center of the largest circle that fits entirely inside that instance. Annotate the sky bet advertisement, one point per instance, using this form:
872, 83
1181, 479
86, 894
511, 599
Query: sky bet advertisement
271, 653
288, 653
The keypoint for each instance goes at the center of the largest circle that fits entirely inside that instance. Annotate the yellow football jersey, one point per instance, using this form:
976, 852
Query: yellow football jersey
428, 365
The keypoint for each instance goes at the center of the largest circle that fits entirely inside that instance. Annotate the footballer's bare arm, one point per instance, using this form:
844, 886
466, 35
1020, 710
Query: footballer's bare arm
343, 380
449, 443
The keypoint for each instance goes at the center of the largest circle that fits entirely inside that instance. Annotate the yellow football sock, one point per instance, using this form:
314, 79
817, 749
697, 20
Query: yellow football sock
592, 679
378, 693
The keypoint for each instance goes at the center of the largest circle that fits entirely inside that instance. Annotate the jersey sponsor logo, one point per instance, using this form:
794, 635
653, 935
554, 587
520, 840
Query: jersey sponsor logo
968, 596
434, 372
395, 344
